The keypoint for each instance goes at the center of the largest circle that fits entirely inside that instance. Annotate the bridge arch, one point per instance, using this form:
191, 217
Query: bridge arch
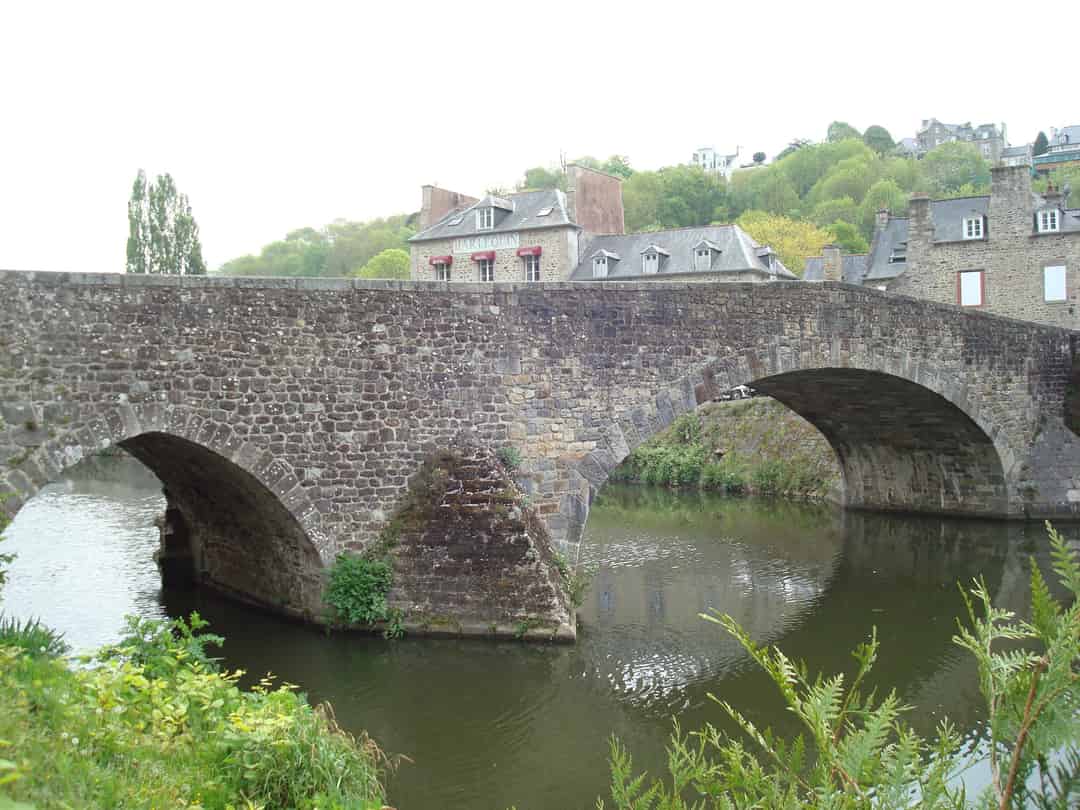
907, 436
252, 531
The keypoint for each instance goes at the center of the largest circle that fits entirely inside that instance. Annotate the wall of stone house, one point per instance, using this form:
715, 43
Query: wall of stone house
558, 257
1012, 257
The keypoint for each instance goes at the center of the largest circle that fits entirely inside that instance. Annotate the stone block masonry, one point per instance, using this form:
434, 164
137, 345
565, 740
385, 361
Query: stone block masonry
286, 417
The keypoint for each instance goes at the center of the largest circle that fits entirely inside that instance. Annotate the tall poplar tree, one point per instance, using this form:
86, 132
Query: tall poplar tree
162, 234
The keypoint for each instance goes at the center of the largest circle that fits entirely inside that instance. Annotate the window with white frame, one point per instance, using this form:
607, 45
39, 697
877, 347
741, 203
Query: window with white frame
970, 288
973, 227
650, 263
532, 268
599, 267
442, 271
702, 259
485, 218
1054, 283
487, 269
1048, 221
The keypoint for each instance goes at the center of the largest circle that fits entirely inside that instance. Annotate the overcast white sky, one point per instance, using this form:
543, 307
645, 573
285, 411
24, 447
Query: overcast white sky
274, 116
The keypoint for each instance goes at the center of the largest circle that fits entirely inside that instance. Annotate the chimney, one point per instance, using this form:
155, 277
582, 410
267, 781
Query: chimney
881, 220
594, 200
832, 264
919, 214
437, 202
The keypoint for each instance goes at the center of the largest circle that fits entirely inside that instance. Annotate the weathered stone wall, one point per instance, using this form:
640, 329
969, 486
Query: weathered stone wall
325, 396
471, 557
557, 259
1012, 257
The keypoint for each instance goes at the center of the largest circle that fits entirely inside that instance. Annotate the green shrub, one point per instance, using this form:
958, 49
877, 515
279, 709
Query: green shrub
724, 476
32, 637
858, 754
161, 647
358, 587
119, 735
771, 477
510, 456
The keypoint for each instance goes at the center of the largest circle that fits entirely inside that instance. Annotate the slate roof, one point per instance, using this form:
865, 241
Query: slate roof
524, 215
947, 216
738, 252
888, 253
852, 268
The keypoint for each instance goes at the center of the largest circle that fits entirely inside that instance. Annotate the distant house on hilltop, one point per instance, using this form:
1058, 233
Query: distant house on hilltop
710, 160
988, 138
549, 235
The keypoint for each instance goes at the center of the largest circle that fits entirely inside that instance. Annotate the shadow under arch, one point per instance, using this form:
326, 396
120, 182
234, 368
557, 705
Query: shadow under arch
905, 442
234, 508
901, 446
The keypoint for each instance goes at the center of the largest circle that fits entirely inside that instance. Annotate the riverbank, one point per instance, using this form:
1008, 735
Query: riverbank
753, 446
153, 723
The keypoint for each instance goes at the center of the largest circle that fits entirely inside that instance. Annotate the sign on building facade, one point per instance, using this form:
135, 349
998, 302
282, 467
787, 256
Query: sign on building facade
488, 241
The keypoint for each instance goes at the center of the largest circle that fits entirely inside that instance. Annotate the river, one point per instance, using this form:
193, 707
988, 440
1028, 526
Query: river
490, 725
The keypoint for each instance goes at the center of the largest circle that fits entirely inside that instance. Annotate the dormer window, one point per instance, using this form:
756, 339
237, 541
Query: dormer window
1047, 221
650, 263
485, 219
599, 267
973, 227
702, 259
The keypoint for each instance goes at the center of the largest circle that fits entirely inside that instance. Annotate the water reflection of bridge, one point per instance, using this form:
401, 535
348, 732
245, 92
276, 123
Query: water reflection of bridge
813, 581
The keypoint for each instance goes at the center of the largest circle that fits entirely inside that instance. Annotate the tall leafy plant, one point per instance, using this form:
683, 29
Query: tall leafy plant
855, 750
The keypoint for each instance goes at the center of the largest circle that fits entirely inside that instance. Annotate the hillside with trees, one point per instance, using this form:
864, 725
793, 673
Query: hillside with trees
810, 195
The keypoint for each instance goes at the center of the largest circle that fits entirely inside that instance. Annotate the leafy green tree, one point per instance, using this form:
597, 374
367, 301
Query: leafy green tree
847, 237
794, 146
851, 177
841, 130
1041, 144
336, 250
904, 172
807, 166
641, 201
952, 165
392, 263
618, 165
759, 158
162, 234
883, 194
688, 196
540, 177
770, 190
792, 239
879, 139
826, 212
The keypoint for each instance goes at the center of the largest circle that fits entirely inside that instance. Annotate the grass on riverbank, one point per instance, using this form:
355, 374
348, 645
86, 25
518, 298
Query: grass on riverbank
753, 446
152, 723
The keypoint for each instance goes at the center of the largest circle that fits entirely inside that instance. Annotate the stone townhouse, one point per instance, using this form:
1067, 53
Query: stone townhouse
1013, 252
525, 236
579, 235
987, 138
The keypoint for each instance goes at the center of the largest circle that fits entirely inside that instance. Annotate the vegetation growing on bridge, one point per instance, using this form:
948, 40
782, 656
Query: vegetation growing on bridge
856, 751
755, 445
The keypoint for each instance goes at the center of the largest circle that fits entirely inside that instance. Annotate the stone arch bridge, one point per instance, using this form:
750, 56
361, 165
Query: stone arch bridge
287, 416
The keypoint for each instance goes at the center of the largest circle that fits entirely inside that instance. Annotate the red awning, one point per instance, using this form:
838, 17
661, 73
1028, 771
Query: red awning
484, 254
529, 251
441, 260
